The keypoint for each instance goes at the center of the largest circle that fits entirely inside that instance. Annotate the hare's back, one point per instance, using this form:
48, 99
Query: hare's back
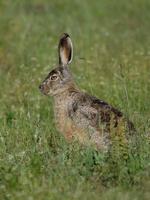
96, 111
109, 115
107, 112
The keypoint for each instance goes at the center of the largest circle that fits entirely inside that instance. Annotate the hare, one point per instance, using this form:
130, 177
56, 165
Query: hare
79, 116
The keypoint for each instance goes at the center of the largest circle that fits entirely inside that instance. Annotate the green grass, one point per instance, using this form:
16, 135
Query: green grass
111, 61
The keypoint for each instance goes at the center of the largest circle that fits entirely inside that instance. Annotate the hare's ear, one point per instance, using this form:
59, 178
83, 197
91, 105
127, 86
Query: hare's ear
65, 50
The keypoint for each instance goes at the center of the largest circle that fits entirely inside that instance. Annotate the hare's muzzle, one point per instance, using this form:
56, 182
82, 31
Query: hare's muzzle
44, 88
41, 87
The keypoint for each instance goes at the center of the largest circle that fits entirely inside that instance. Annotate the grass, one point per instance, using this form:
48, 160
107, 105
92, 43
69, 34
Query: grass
111, 61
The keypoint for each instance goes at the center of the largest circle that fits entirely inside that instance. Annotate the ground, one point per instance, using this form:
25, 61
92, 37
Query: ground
111, 61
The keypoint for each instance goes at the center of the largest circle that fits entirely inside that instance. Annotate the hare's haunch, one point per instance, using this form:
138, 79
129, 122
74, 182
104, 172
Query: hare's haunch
78, 115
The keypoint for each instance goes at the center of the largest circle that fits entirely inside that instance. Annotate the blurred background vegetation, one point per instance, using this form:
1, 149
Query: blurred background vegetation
111, 61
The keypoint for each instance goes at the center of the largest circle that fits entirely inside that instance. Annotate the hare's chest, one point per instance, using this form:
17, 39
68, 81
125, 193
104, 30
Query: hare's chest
67, 125
63, 123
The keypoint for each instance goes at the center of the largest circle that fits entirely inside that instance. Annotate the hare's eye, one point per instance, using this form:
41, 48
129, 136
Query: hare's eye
54, 77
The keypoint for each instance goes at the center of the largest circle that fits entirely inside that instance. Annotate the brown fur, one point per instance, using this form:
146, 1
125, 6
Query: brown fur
79, 116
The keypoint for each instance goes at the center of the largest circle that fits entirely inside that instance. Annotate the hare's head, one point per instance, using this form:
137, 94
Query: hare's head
60, 78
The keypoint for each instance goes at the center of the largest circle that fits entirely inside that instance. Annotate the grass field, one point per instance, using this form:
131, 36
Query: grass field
111, 61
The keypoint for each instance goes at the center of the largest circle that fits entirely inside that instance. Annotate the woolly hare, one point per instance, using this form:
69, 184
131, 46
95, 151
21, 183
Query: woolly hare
78, 115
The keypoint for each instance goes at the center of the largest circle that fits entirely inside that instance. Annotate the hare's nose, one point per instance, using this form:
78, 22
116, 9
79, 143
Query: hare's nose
41, 87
